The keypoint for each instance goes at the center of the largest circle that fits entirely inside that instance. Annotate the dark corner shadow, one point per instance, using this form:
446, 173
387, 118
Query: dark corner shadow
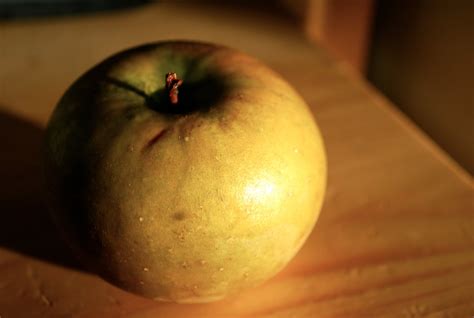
25, 225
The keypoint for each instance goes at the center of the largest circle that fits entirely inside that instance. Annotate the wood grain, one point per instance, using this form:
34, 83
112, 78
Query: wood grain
395, 237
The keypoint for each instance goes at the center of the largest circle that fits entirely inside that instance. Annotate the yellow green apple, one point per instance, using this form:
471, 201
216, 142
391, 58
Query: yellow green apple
184, 171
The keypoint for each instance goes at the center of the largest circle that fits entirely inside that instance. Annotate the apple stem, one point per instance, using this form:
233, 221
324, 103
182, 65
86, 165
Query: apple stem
172, 84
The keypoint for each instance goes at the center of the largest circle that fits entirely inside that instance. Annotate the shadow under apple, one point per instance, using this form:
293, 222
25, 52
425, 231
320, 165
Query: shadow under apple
25, 224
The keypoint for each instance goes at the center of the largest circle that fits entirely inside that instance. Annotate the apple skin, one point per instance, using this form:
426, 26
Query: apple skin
188, 202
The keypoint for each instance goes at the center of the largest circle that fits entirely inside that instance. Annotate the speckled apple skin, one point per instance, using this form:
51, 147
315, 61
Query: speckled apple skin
188, 202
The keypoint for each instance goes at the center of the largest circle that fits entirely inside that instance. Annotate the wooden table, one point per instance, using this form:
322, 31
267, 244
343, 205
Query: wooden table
396, 234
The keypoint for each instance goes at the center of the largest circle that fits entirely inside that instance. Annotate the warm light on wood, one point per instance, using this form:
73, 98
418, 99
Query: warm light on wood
394, 239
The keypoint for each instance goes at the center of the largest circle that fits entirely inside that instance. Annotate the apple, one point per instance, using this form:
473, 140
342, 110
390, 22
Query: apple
184, 171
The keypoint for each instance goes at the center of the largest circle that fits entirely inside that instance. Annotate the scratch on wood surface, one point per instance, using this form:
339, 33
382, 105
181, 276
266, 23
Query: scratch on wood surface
37, 286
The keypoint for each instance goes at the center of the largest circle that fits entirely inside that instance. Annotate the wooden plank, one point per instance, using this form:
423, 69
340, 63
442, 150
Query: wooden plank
395, 235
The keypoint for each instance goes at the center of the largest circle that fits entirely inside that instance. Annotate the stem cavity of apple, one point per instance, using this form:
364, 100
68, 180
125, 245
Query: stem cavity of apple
172, 84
